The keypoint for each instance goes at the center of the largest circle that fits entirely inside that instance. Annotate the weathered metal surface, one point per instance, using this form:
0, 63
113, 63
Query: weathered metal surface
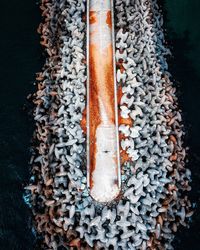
102, 117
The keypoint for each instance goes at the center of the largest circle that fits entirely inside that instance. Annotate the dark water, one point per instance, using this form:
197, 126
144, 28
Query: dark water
21, 57
182, 20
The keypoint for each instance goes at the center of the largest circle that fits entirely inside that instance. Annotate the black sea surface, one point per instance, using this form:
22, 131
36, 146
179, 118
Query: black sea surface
21, 57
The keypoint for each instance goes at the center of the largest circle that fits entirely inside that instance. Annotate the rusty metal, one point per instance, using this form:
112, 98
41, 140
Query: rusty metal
103, 159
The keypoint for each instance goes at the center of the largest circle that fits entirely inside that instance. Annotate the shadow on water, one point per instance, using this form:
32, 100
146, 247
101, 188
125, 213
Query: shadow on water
20, 59
187, 80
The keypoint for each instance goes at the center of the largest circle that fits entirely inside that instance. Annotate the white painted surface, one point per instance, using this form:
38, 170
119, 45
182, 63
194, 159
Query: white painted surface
105, 177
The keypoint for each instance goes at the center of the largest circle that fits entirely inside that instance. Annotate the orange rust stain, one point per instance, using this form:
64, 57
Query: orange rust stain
84, 61
119, 94
120, 66
173, 139
121, 120
93, 17
101, 87
122, 136
75, 243
124, 157
126, 121
109, 19
173, 157
122, 69
94, 111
